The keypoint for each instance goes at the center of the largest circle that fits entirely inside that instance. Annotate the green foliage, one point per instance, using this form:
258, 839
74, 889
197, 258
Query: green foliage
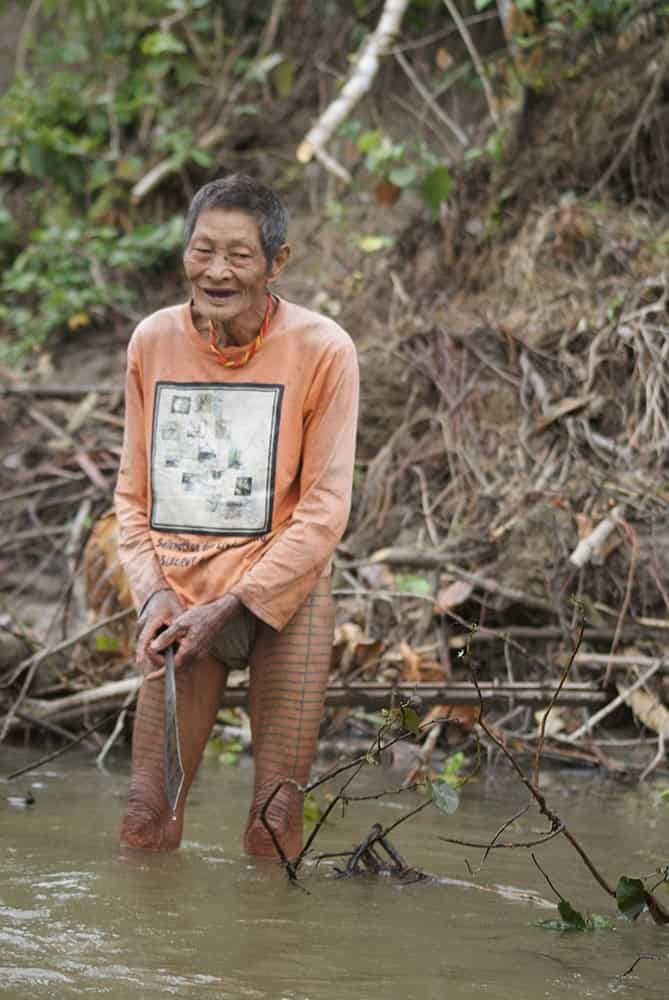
446, 798
436, 188
630, 896
70, 273
224, 751
110, 90
312, 811
633, 898
577, 13
451, 773
406, 718
106, 643
371, 243
413, 583
572, 920
409, 165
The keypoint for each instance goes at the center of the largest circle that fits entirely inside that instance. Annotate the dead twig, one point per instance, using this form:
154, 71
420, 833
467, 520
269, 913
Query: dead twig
544, 718
595, 719
59, 753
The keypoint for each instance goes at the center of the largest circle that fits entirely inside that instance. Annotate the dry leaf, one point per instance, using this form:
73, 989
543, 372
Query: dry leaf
107, 587
454, 594
411, 672
555, 723
378, 576
387, 193
647, 708
443, 58
352, 649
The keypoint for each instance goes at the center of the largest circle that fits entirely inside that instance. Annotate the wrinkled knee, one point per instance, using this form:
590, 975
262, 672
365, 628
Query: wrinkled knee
149, 829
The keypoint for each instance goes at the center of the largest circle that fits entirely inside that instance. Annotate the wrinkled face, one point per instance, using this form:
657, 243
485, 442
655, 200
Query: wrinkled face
226, 266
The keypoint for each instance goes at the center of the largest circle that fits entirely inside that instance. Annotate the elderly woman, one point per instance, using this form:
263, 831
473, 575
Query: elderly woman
233, 491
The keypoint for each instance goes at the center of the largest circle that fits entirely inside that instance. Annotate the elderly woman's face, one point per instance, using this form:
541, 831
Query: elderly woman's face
226, 266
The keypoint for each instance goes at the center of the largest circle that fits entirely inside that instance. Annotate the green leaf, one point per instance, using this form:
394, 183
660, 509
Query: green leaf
159, 42
312, 811
225, 751
571, 917
403, 177
370, 141
446, 798
371, 244
406, 718
105, 643
630, 896
572, 920
215, 746
284, 78
451, 771
201, 157
349, 129
436, 188
412, 583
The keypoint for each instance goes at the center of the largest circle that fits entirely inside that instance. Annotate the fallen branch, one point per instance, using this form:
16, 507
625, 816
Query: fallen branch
587, 547
32, 663
595, 719
357, 85
371, 696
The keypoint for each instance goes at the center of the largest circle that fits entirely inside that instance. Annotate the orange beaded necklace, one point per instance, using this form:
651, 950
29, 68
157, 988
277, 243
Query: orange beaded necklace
255, 346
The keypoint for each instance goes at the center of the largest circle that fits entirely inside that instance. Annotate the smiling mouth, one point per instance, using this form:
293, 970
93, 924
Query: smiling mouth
219, 294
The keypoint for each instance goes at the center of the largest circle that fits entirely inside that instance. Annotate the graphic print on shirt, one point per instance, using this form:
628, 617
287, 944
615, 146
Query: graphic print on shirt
213, 457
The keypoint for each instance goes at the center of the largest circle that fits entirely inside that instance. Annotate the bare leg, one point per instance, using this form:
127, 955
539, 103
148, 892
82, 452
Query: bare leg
148, 822
289, 674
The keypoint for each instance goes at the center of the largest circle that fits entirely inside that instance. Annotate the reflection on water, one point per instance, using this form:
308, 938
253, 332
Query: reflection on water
80, 916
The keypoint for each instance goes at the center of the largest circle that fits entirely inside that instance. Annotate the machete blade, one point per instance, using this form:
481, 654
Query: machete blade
174, 772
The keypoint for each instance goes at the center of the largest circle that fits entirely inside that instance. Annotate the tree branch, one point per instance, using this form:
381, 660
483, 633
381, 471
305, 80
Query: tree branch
357, 85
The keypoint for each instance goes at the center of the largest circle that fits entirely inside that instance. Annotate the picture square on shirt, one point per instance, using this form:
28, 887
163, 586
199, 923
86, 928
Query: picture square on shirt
213, 457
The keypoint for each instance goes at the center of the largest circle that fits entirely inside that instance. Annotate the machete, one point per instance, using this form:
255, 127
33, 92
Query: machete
174, 772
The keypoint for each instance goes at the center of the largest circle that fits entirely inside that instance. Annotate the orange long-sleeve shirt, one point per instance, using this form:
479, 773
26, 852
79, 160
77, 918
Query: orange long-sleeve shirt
236, 480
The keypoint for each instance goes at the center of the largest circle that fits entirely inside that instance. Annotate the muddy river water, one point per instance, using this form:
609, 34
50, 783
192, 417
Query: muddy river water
81, 917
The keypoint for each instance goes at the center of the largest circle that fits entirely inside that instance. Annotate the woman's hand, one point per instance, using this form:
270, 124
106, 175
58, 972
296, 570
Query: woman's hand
159, 613
194, 632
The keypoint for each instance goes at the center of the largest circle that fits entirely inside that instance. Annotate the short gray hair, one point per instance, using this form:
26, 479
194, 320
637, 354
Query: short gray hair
245, 194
